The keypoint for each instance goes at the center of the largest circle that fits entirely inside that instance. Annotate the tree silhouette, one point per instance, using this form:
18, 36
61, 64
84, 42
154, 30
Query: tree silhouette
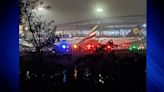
40, 33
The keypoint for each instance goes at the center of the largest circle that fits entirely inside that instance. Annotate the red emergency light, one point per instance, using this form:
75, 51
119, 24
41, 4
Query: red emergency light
108, 46
124, 45
88, 46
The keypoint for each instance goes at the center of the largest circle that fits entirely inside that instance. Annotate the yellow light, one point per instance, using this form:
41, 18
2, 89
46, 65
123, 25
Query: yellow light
75, 46
20, 29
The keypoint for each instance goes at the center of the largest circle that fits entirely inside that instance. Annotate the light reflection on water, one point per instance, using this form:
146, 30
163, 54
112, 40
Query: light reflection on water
64, 75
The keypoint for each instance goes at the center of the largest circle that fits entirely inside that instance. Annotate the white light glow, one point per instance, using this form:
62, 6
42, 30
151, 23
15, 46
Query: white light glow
40, 8
99, 10
143, 25
34, 10
26, 28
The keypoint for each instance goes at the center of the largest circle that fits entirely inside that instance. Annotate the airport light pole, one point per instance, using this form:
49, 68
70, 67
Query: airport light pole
99, 16
99, 12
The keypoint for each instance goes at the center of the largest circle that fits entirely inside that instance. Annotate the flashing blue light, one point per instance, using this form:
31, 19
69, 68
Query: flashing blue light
64, 46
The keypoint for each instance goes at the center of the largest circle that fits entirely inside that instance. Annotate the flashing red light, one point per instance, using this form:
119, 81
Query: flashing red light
93, 46
124, 45
89, 46
98, 46
108, 47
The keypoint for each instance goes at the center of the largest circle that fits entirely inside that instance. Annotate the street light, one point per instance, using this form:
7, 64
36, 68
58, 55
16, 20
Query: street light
99, 10
99, 15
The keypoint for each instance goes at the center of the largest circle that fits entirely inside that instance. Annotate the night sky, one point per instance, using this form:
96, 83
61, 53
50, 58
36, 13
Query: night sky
67, 11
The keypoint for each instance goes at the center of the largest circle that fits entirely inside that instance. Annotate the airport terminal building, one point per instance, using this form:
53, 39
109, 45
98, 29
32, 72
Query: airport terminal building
109, 27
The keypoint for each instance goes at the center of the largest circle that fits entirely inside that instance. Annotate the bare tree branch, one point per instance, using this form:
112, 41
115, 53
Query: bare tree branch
41, 31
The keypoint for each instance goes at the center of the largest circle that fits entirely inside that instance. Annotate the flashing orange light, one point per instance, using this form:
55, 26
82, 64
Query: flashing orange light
75, 46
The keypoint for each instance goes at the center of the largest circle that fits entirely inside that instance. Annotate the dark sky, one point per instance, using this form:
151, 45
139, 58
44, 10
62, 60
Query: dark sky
65, 11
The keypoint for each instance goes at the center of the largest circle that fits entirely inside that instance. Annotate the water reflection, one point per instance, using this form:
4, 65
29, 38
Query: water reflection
98, 74
75, 72
64, 76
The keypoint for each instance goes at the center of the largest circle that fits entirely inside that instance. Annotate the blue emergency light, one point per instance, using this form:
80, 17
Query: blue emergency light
64, 46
